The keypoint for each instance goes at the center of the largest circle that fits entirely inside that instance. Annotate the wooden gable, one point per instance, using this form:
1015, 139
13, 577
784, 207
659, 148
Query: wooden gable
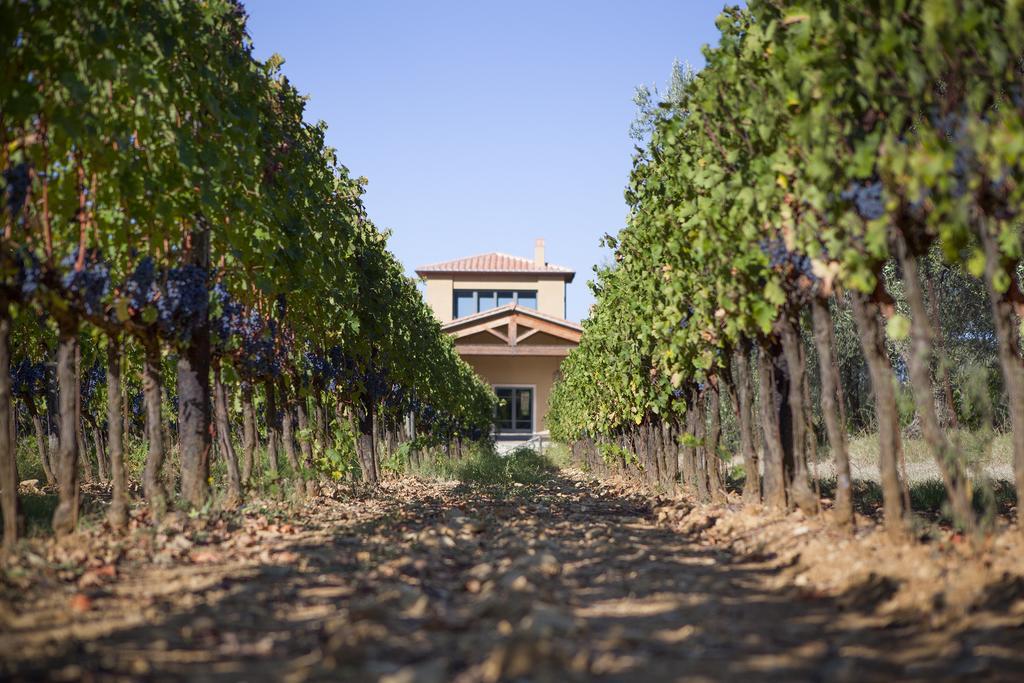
514, 331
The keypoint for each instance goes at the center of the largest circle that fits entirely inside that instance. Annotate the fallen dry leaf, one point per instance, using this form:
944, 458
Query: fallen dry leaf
80, 602
568, 580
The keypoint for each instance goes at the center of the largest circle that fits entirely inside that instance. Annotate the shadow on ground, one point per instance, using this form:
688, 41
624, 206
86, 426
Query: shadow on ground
430, 582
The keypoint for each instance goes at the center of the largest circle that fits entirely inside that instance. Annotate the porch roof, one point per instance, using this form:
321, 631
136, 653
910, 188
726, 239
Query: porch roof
511, 325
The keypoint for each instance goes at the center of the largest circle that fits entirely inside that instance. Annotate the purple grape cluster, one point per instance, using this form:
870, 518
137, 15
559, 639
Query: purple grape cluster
781, 259
184, 302
395, 397
1017, 94
951, 124
227, 317
247, 325
256, 343
17, 180
28, 378
90, 285
867, 199
29, 273
999, 199
141, 288
315, 365
137, 407
684, 322
259, 358
961, 171
260, 346
248, 336
375, 384
91, 381
331, 369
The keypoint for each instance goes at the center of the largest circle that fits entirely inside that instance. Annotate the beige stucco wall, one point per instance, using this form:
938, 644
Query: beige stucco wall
550, 290
538, 371
551, 296
439, 294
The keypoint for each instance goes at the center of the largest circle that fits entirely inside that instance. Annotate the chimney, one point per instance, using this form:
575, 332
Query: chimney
538, 253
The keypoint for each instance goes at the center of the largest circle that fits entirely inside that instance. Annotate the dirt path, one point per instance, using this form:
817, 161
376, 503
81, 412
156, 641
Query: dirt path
427, 582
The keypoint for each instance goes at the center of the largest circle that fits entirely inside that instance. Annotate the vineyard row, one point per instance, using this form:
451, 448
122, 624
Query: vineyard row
823, 145
168, 214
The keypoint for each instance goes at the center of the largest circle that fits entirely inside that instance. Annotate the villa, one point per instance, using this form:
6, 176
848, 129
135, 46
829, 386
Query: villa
507, 315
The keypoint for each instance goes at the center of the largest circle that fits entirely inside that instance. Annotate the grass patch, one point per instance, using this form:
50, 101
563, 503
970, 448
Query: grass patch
38, 511
928, 496
978, 451
986, 457
559, 454
27, 458
482, 465
521, 466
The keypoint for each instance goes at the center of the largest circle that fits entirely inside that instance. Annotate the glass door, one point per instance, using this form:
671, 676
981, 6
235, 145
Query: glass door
515, 409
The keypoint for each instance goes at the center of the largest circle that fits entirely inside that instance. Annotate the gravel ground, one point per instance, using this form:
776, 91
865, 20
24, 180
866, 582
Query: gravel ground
424, 581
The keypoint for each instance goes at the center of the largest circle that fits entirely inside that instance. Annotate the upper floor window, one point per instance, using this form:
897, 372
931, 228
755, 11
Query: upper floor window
470, 301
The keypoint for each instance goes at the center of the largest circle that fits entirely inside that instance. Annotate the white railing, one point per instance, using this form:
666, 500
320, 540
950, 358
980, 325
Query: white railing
538, 443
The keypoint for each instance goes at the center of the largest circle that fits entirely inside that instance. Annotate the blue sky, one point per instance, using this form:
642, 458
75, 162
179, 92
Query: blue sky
483, 125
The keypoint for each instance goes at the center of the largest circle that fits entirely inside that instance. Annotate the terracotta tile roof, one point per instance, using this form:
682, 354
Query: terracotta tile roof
494, 262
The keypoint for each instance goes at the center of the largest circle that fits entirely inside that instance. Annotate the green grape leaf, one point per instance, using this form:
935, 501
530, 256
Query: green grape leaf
898, 327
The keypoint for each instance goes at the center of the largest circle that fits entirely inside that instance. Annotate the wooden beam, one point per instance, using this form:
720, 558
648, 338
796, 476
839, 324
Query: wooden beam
496, 350
479, 327
517, 319
550, 328
526, 335
499, 335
